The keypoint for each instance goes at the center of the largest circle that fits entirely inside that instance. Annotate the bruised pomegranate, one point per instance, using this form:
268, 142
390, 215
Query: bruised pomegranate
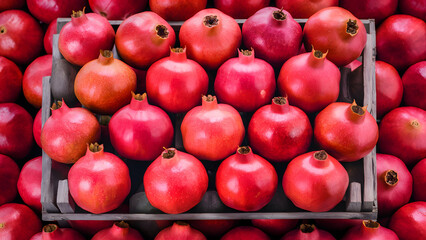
17, 221
10, 81
414, 82
419, 181
245, 232
53, 232
308, 231
388, 88
117, 9
9, 174
180, 231
409, 221
32, 83
275, 227
119, 231
369, 230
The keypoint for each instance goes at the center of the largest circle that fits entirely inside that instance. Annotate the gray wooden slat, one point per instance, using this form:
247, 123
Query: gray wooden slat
64, 200
354, 200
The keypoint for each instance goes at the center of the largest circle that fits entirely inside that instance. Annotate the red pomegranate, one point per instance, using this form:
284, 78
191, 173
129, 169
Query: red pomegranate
414, 82
419, 181
275, 227
409, 221
180, 231
416, 8
213, 228
53, 232
177, 10
305, 8
49, 10
18, 221
119, 231
117, 9
9, 174
10, 81
32, 83
369, 230
29, 183
11, 4
366, 9
37, 128
308, 231
240, 8
37, 236
245, 232
388, 88
48, 36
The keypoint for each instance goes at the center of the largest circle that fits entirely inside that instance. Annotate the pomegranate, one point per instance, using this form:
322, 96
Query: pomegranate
245, 232
310, 81
11, 4
32, 83
212, 131
308, 231
29, 183
305, 8
143, 39
315, 181
402, 134
414, 82
16, 131
275, 227
9, 174
119, 231
139, 131
369, 230
419, 180
281, 41
394, 184
37, 128
240, 8
117, 9
409, 221
279, 132
18, 221
10, 81
37, 236
21, 36
177, 10
213, 228
90, 227
400, 41
175, 182
211, 37
176, 83
337, 31
180, 231
366, 9
53, 232
49, 10
246, 181
347, 131
388, 88
48, 36
337, 225
96, 177
81, 39
416, 8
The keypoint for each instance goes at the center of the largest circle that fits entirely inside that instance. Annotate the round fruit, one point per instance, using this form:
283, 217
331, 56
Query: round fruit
414, 82
9, 175
10, 81
117, 9
32, 83
177, 10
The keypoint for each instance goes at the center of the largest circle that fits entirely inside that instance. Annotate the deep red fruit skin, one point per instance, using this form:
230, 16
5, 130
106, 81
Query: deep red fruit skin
29, 183
175, 182
32, 83
304, 8
140, 131
117, 9
400, 41
49, 10
337, 225
391, 197
16, 131
414, 82
213, 228
279, 132
244, 175
275, 227
176, 83
210, 42
326, 31
21, 36
48, 36
281, 40
402, 134
366, 9
9, 174
53, 232
419, 181
310, 81
177, 10
362, 231
315, 181
311, 234
81, 39
246, 82
142, 39
10, 81
245, 232
18, 222
240, 9
11, 4
388, 88
415, 8
409, 221
37, 128
180, 231
119, 231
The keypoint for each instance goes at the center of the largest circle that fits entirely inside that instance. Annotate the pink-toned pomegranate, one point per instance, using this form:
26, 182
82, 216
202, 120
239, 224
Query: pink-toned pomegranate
32, 83
388, 88
48, 36
117, 9
180, 231
119, 231
18, 221
275, 227
53, 232
49, 10
37, 128
419, 181
414, 82
409, 221
308, 231
29, 183
369, 230
245, 232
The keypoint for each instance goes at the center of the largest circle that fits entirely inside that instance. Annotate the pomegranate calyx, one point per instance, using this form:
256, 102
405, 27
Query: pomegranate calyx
178, 49
247, 52
181, 223
3, 29
352, 27
244, 150
414, 123
121, 224
320, 155
56, 105
79, 13
371, 224
162, 31
208, 98
391, 178
169, 153
50, 228
95, 147
307, 228
279, 15
280, 100
106, 57
139, 97
210, 21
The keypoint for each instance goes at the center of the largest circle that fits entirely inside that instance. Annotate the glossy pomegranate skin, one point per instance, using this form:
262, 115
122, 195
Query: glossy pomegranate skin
53, 232
280, 42
244, 175
419, 180
48, 36
32, 82
81, 39
97, 176
240, 9
119, 231
275, 227
388, 88
416, 8
400, 41
366, 9
144, 38
177, 10
409, 221
246, 82
245, 232
414, 82
16, 131
212, 131
49, 10
304, 8
29, 183
175, 182
213, 228
337, 225
308, 231
37, 128
21, 36
12, 4
346, 131
10, 81
180, 231
176, 83
279, 132
315, 181
334, 29
211, 37
18, 221
394, 184
140, 131
117, 9
402, 131
310, 81
369, 230
9, 174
